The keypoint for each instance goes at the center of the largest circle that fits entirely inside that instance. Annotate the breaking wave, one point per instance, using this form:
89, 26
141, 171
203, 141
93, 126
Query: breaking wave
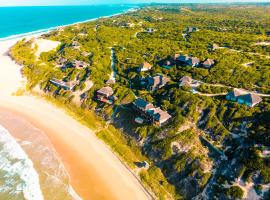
30, 167
18, 178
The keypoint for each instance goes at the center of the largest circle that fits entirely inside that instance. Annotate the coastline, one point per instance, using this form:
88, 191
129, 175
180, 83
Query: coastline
51, 179
92, 167
95, 171
48, 30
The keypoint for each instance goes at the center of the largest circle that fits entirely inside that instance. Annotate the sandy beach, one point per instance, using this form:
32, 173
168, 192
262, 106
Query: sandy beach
95, 172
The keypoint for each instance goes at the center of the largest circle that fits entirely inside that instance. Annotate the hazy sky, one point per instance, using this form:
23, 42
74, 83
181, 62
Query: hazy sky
80, 2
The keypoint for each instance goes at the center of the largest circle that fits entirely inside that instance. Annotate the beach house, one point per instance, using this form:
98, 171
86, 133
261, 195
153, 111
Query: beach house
208, 63
233, 95
185, 81
168, 64
65, 85
105, 95
79, 64
176, 56
125, 24
250, 100
183, 59
243, 97
62, 61
215, 47
156, 82
144, 67
96, 27
188, 60
152, 114
75, 45
150, 30
142, 105
158, 116
191, 29
86, 54
194, 62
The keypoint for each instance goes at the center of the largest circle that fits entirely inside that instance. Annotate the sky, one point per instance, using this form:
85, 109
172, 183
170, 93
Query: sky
84, 2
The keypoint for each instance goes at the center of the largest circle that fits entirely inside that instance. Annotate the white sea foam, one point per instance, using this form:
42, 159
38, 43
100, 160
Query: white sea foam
54, 179
17, 174
74, 195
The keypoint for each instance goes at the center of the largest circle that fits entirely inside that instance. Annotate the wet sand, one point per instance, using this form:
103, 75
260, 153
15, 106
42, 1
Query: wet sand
54, 180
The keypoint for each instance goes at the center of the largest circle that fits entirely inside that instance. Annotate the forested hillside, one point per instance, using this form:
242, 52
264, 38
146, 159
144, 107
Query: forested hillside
211, 147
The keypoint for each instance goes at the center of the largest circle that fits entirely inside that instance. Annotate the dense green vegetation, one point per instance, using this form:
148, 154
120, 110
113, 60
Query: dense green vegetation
206, 133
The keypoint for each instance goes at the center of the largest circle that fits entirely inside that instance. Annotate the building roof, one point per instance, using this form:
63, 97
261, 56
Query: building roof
155, 113
168, 63
215, 46
208, 62
150, 30
195, 60
189, 60
159, 80
108, 91
141, 103
75, 44
237, 92
159, 115
186, 81
176, 56
62, 60
79, 64
251, 98
247, 97
191, 29
146, 65
62, 83
86, 54
183, 58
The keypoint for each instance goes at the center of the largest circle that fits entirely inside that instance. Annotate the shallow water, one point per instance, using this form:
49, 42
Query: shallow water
29, 166
18, 178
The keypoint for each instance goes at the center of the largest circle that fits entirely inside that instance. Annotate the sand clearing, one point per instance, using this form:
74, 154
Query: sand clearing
262, 43
95, 171
45, 45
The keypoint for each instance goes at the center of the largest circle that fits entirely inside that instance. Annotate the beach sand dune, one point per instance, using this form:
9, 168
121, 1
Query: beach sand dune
45, 45
96, 173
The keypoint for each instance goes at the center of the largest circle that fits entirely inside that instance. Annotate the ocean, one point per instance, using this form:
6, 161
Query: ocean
30, 168
20, 21
18, 177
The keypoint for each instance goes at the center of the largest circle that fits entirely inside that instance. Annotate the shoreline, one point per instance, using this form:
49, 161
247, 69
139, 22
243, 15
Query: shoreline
87, 159
83, 142
38, 149
48, 30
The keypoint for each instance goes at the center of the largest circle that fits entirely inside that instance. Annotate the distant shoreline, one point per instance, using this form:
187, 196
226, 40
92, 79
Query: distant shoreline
48, 30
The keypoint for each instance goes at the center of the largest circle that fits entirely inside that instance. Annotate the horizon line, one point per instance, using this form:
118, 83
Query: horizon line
150, 3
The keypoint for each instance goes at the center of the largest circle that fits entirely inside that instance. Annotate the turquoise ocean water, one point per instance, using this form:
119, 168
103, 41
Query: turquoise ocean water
18, 21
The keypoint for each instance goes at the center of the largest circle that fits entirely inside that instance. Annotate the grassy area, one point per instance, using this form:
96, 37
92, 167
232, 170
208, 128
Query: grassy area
121, 146
154, 179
